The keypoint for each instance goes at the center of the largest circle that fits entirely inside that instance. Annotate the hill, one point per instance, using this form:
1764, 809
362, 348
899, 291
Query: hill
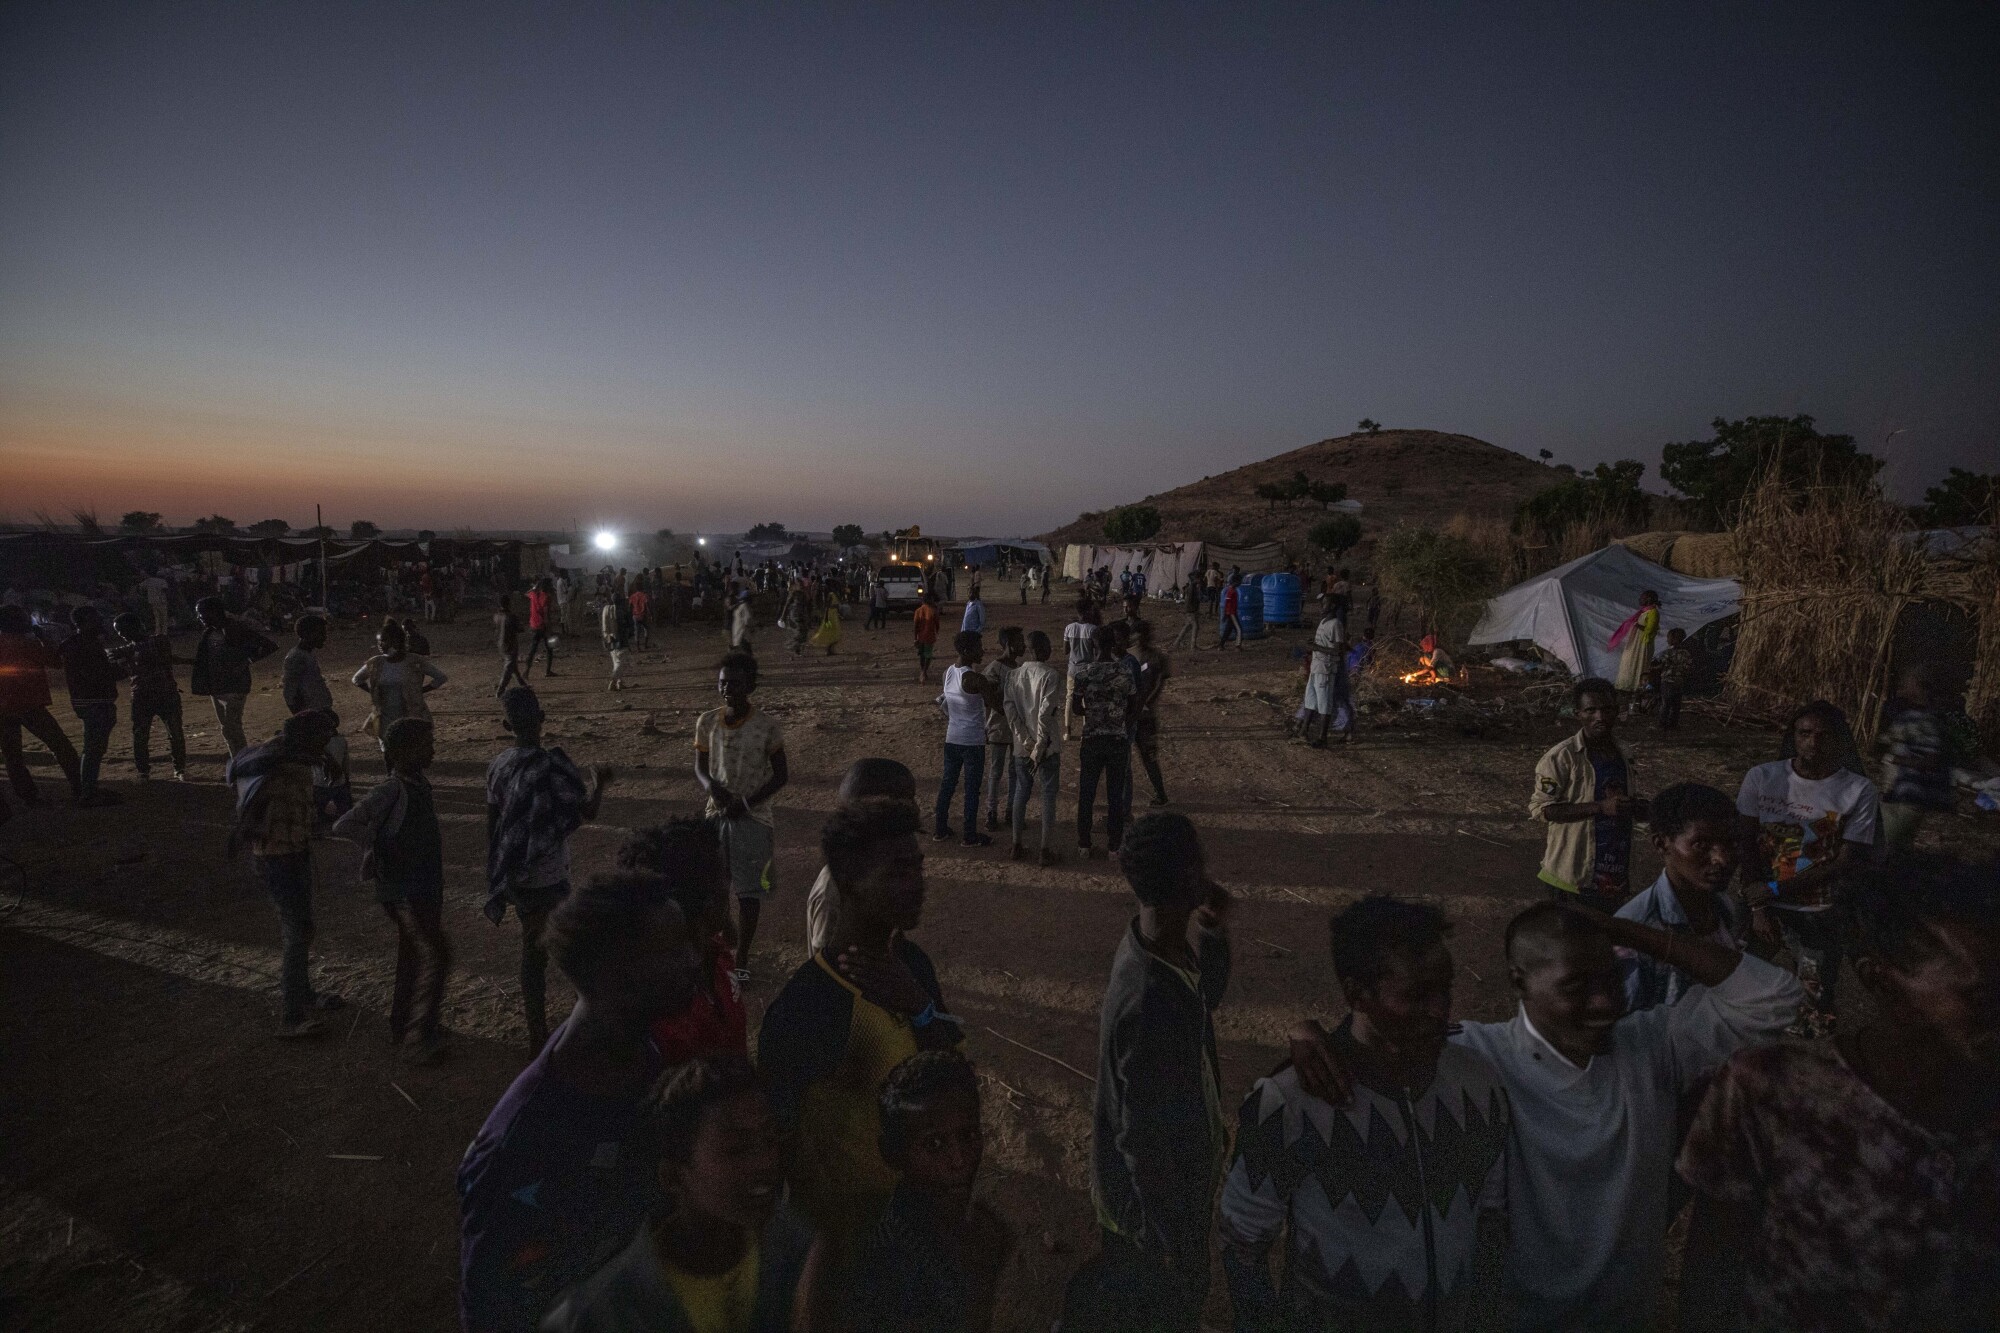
1399, 476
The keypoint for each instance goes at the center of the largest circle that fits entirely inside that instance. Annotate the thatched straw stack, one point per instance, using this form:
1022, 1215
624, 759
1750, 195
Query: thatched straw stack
1705, 555
1653, 546
1982, 695
1825, 575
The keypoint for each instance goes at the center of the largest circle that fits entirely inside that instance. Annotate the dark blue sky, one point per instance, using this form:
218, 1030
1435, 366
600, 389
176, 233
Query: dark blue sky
979, 267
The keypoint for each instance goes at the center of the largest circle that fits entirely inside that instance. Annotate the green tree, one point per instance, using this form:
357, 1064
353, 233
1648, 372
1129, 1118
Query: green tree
1544, 455
1715, 474
217, 524
322, 532
1611, 492
140, 521
849, 534
1368, 424
362, 530
1962, 500
1325, 493
1435, 571
766, 532
1335, 535
269, 527
1133, 523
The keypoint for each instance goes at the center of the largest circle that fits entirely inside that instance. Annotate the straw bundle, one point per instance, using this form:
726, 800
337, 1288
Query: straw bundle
1982, 695
1825, 574
1705, 555
1653, 546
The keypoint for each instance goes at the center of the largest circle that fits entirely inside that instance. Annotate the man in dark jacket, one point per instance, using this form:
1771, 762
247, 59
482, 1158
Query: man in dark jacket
1159, 1137
93, 692
222, 661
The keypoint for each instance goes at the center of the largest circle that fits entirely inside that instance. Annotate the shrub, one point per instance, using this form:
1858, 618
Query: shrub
1133, 523
1608, 496
1335, 535
1437, 572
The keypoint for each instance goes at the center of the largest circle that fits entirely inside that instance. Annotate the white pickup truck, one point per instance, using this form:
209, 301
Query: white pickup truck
904, 584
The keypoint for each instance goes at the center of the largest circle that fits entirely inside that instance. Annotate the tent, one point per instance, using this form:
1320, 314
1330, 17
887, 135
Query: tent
1263, 558
1166, 565
1572, 610
982, 551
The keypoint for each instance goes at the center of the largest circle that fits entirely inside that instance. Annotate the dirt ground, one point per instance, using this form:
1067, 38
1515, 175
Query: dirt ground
166, 1165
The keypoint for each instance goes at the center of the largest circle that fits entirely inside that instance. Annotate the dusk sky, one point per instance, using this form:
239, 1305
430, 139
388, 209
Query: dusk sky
978, 267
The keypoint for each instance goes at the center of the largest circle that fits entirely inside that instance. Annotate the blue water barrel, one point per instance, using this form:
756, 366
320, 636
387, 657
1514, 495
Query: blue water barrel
1250, 609
1283, 598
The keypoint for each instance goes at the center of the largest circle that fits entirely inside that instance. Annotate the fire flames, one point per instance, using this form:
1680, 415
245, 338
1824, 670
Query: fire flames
1423, 675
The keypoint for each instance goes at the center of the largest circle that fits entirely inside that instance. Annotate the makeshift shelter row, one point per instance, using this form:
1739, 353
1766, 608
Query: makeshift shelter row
982, 551
1167, 565
63, 559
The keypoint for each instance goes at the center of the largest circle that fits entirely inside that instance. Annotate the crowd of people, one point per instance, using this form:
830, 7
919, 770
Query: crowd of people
1403, 1170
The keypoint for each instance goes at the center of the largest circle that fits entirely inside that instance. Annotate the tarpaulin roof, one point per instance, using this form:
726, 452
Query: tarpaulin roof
38, 554
986, 550
1263, 558
1572, 610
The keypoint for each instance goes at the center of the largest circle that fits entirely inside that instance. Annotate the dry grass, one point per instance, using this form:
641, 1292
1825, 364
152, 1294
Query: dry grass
1518, 554
1826, 573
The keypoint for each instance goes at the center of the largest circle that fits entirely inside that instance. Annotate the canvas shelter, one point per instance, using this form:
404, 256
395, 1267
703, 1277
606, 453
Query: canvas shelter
1166, 565
1572, 611
984, 551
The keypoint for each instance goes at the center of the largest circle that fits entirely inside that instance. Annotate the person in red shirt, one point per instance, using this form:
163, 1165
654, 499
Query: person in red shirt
25, 659
688, 854
641, 603
542, 624
926, 620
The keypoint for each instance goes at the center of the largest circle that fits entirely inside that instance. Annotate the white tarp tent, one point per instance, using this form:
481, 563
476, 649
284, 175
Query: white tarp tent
1572, 610
1166, 565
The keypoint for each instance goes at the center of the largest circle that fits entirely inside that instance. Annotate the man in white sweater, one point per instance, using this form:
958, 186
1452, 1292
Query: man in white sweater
1034, 701
1595, 1093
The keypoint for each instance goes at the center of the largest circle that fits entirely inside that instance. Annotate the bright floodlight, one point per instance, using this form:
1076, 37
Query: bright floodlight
605, 541
701, 541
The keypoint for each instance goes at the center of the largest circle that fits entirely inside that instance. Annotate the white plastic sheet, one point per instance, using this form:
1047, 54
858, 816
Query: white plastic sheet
1572, 610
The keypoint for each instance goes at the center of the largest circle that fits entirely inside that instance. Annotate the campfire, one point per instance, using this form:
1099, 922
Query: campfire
1423, 675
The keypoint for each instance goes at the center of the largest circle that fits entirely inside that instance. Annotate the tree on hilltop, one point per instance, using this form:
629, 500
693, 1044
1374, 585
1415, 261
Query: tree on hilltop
1369, 425
1715, 474
1298, 487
